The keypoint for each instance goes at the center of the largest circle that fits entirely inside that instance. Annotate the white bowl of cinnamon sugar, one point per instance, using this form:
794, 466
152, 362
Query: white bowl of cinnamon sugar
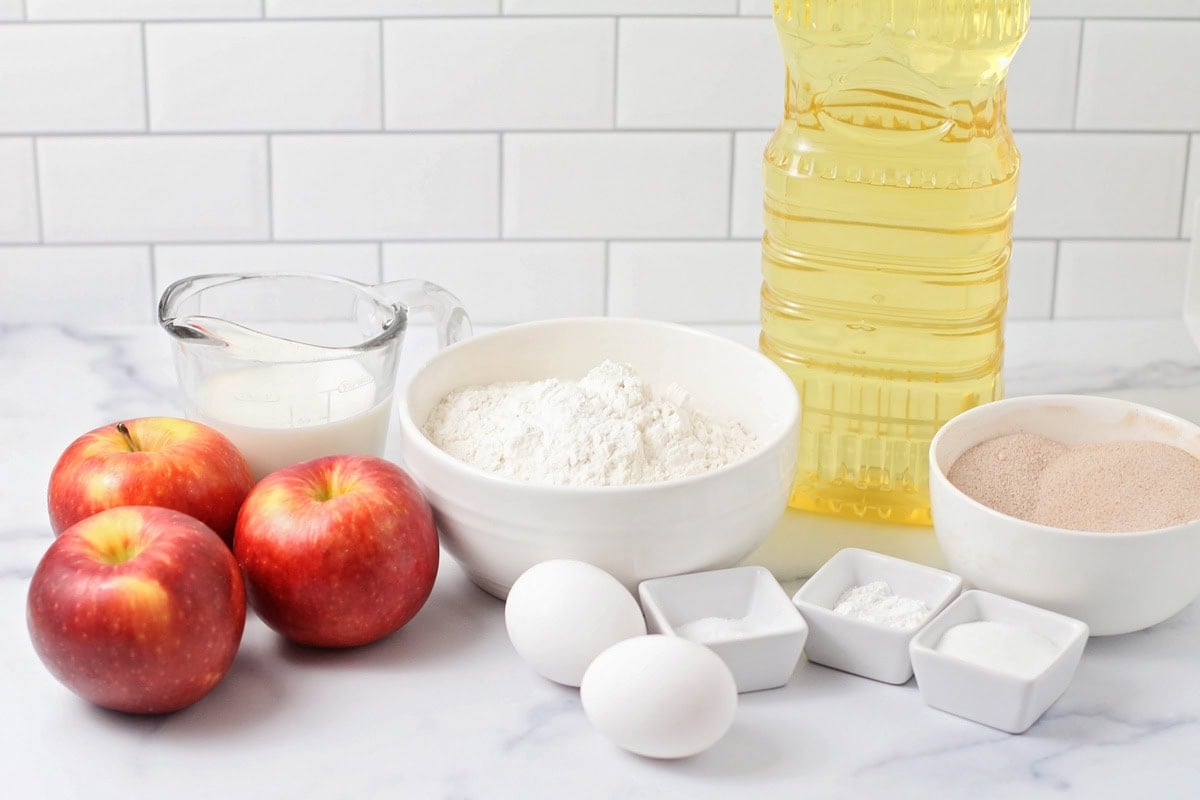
1087, 506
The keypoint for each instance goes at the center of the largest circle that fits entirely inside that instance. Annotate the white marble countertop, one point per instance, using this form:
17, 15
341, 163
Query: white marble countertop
444, 709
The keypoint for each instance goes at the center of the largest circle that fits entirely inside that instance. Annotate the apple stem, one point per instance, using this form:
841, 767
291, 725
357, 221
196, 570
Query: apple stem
124, 431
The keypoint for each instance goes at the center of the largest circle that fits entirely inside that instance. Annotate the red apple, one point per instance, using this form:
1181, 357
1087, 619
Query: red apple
338, 551
155, 461
137, 609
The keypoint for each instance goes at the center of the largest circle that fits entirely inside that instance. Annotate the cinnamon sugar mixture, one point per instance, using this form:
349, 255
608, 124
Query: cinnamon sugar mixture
1113, 487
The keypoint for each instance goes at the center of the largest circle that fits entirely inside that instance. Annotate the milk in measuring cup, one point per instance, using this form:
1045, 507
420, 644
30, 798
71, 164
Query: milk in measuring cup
281, 414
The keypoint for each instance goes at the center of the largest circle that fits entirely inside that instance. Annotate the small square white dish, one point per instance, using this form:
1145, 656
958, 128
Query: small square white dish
869, 649
742, 614
990, 695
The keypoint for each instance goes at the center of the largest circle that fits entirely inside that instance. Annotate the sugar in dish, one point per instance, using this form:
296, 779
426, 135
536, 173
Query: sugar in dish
741, 613
1116, 487
715, 629
995, 660
1003, 646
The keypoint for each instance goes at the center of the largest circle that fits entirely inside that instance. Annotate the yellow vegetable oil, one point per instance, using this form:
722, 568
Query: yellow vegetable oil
889, 193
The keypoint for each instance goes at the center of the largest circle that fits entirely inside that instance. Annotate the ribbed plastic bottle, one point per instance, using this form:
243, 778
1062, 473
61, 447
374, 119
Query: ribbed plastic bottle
889, 195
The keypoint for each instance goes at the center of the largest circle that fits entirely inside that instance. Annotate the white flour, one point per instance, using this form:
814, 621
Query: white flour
607, 429
875, 602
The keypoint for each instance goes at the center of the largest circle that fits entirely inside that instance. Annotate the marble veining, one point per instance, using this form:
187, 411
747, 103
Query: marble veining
444, 709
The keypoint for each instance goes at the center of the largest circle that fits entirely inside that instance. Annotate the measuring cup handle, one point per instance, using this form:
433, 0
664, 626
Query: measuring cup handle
447, 311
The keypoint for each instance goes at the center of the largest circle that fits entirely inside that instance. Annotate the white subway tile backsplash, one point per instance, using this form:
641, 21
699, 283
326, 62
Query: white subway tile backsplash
698, 73
1126, 69
685, 281
499, 73
619, 185
18, 191
1192, 190
1120, 279
1076, 185
627, 7
359, 262
501, 282
237, 76
748, 150
137, 188
71, 78
94, 285
605, 155
1115, 8
142, 9
380, 8
1041, 81
1031, 280
401, 186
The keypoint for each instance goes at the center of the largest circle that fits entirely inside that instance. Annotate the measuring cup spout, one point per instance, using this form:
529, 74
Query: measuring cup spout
183, 325
446, 310
195, 312
292, 366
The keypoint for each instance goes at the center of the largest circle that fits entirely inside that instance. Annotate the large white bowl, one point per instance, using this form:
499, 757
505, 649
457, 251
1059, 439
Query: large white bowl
498, 527
1115, 582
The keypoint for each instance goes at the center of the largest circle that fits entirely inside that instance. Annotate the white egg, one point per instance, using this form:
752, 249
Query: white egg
561, 614
660, 696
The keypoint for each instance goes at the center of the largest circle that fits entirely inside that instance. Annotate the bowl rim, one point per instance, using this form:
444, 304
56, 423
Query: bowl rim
1045, 399
789, 429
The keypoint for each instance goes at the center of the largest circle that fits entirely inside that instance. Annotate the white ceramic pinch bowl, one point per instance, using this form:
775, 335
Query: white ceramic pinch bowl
763, 651
988, 695
498, 527
1115, 582
864, 648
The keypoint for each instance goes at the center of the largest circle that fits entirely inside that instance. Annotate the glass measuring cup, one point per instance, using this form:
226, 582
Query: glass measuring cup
295, 366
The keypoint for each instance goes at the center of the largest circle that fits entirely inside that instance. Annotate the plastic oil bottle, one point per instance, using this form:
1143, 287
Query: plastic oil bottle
889, 195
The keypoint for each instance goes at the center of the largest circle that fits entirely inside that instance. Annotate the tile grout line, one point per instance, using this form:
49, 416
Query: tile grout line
1183, 220
153, 276
382, 79
379, 261
270, 188
500, 186
145, 80
133, 132
37, 190
607, 273
597, 15
452, 240
1078, 77
616, 73
729, 203
1054, 280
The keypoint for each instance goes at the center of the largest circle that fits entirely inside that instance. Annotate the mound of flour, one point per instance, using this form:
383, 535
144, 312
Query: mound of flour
608, 429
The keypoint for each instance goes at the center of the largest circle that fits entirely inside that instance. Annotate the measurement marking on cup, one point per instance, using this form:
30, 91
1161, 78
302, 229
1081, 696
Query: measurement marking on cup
255, 397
